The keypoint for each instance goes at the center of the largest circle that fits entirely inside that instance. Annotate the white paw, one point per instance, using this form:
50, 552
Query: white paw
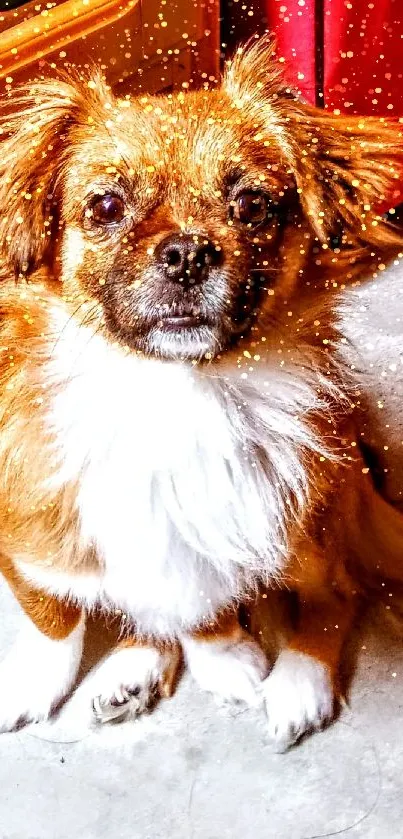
231, 670
36, 674
130, 680
298, 696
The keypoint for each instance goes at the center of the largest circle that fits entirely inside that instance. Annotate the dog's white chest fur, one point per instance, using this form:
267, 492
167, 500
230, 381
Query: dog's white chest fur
172, 489
151, 449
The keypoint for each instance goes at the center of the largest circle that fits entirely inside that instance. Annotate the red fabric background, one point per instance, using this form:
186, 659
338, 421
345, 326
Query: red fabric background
362, 55
363, 51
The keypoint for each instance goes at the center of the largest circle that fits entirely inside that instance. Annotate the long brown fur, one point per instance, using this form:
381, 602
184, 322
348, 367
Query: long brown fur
331, 173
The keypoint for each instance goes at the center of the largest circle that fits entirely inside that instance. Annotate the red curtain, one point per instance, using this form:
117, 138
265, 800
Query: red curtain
349, 50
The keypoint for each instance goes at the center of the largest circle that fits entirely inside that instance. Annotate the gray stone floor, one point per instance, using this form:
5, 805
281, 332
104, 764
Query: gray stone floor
192, 770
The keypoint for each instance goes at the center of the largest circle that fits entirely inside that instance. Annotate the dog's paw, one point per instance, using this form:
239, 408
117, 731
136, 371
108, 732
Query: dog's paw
36, 674
24, 696
232, 670
298, 696
129, 681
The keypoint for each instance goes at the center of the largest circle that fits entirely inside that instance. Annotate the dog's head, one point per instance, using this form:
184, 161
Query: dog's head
169, 220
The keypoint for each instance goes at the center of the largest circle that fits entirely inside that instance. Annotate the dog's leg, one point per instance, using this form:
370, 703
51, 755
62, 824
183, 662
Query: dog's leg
131, 678
42, 664
226, 661
302, 689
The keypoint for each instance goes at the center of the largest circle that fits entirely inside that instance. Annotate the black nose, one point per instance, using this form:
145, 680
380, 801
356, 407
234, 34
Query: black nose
186, 258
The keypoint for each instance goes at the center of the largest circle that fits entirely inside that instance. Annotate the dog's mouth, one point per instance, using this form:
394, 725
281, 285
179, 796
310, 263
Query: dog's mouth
181, 316
190, 315
196, 325
181, 322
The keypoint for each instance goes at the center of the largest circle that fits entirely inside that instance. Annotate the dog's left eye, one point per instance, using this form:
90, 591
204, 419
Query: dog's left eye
107, 209
250, 207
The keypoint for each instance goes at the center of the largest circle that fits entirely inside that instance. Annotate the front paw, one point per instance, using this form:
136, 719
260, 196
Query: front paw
129, 681
25, 696
232, 670
36, 674
298, 696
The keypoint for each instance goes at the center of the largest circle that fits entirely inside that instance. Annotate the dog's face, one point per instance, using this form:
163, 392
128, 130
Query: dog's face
169, 220
173, 222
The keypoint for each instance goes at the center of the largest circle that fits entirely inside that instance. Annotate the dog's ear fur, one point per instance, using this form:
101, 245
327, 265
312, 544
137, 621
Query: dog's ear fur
35, 129
345, 167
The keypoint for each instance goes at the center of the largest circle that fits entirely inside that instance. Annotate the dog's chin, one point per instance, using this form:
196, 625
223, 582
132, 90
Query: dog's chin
184, 341
181, 334
183, 338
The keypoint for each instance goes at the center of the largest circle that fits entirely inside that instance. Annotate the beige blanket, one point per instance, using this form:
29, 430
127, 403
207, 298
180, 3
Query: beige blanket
372, 317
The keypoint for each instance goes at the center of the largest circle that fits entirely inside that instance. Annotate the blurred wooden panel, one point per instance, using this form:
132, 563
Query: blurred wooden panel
54, 28
148, 45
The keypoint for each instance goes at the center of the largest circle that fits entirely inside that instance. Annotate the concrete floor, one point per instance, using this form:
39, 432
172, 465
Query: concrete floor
192, 770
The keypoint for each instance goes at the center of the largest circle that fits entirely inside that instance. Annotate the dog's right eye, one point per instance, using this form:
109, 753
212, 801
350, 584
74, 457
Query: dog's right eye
107, 209
250, 208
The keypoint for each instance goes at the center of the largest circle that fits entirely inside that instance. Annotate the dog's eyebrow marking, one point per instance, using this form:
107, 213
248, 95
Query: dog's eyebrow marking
253, 181
233, 176
101, 186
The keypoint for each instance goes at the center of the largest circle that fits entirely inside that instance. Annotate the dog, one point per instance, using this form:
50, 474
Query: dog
178, 427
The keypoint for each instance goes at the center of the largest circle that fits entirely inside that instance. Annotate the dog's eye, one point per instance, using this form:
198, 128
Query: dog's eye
251, 207
107, 209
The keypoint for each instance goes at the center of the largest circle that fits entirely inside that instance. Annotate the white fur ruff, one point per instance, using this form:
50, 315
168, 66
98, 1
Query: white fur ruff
185, 476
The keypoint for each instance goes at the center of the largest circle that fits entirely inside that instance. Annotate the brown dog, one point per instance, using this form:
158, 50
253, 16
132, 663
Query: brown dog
176, 424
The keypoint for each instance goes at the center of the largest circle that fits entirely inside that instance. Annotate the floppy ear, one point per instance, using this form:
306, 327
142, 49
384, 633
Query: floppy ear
345, 167
350, 167
34, 144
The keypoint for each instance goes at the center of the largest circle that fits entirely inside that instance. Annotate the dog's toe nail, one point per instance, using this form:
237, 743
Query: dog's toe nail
134, 691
